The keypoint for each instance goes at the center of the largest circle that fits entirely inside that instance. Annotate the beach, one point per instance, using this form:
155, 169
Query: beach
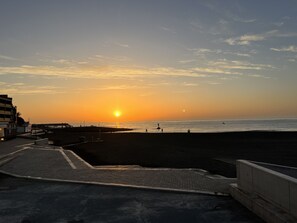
215, 152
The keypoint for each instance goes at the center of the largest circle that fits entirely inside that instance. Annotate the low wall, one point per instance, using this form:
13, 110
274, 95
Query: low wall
275, 187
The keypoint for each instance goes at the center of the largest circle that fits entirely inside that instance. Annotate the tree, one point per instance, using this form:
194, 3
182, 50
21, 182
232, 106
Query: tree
20, 120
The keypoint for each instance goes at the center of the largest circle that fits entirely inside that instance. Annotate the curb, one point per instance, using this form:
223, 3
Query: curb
117, 185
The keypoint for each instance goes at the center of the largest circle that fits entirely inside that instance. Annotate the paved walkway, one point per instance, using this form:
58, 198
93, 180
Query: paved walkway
57, 164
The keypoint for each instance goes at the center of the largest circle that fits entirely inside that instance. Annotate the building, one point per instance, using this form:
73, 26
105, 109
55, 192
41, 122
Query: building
8, 118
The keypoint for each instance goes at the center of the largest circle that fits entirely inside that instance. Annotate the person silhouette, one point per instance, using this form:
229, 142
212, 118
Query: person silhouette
158, 126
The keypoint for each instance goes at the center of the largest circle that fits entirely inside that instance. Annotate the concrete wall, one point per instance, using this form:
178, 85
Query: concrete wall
275, 187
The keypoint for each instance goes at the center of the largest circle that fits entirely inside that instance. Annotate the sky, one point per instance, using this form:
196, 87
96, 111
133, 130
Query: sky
80, 61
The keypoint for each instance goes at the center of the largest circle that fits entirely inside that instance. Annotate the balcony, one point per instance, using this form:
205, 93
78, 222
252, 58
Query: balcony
5, 105
5, 112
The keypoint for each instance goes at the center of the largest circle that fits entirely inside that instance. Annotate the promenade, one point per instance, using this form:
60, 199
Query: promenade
41, 183
22, 158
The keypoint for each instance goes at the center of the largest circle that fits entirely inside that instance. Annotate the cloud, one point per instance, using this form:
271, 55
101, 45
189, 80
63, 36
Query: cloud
189, 84
214, 71
7, 58
197, 25
119, 87
237, 54
239, 65
96, 68
242, 54
122, 45
223, 22
168, 30
204, 51
115, 43
214, 83
279, 24
63, 61
108, 59
286, 49
259, 76
236, 18
23, 89
186, 61
248, 20
247, 39
97, 72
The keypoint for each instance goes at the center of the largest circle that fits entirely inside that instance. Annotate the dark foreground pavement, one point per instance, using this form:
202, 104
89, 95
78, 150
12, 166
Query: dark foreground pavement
27, 201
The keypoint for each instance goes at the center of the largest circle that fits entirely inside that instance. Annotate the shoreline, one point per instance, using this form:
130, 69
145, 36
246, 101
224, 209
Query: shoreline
197, 126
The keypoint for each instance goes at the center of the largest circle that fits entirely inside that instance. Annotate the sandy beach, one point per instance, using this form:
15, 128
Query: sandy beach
215, 152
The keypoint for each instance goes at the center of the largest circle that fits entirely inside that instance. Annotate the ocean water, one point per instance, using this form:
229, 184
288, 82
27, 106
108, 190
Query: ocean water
206, 126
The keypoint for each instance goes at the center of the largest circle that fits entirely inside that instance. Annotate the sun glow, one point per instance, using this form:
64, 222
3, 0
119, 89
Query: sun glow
117, 113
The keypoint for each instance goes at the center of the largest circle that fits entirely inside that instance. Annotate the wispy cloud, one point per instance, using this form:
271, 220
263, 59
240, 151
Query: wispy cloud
203, 51
228, 14
248, 20
248, 38
186, 84
97, 68
259, 76
214, 71
170, 30
223, 22
63, 61
214, 83
98, 72
186, 61
243, 20
109, 59
279, 24
119, 87
245, 39
7, 57
196, 25
25, 89
286, 49
237, 18
239, 65
239, 54
122, 45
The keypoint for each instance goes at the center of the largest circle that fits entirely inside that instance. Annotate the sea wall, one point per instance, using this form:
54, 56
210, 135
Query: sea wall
275, 187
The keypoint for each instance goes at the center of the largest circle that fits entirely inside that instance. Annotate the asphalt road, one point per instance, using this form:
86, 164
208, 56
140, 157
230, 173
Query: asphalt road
29, 201
13, 145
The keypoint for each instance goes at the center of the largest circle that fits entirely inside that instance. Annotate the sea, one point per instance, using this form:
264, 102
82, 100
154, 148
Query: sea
203, 125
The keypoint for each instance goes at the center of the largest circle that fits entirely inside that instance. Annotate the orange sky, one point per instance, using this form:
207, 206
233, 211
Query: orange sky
152, 104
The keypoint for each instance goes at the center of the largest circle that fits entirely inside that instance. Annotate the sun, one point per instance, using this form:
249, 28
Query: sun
117, 113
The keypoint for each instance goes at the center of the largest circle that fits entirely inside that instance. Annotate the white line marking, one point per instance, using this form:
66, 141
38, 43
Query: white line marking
44, 148
78, 157
28, 144
4, 161
67, 159
12, 153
